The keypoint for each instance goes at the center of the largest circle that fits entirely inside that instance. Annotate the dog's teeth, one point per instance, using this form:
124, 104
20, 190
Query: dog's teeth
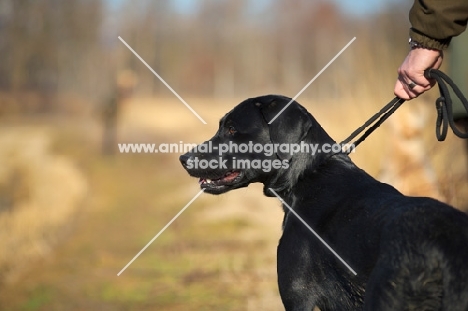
208, 180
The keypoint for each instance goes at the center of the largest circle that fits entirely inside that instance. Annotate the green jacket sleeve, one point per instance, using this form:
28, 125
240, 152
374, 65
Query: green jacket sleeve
435, 22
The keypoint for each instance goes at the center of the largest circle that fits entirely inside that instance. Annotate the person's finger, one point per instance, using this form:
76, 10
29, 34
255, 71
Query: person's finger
416, 90
412, 69
407, 88
414, 85
411, 81
412, 89
400, 90
437, 65
417, 79
439, 61
417, 85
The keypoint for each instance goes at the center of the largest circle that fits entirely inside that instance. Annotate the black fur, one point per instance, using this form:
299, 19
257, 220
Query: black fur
410, 253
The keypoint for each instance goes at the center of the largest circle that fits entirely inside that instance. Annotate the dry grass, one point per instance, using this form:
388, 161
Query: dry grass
39, 193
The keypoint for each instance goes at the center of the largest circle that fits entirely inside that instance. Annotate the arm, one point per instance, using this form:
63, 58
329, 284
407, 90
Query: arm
434, 23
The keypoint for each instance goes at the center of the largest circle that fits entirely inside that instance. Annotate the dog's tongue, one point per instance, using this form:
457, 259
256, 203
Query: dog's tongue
230, 176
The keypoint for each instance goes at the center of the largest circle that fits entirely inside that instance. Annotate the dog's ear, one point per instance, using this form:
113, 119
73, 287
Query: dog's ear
290, 127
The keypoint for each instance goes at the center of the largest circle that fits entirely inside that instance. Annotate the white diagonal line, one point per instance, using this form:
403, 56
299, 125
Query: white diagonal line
313, 79
312, 230
162, 80
161, 231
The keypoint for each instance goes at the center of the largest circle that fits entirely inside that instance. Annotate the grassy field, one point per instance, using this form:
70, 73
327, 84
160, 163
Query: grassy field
218, 255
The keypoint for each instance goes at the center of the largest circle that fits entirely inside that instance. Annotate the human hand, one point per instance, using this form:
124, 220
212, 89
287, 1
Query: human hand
411, 81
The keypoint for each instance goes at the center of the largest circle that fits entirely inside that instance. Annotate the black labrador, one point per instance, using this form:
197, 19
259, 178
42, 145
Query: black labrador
409, 253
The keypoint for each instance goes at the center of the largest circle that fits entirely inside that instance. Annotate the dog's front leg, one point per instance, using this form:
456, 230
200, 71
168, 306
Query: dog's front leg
296, 283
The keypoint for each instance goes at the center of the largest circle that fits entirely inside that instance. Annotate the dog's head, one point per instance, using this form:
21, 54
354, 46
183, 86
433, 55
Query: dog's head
254, 144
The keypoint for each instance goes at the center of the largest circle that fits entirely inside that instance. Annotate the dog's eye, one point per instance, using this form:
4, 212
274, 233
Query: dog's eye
232, 130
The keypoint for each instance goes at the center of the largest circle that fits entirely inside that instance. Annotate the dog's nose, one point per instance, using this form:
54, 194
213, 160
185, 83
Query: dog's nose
184, 158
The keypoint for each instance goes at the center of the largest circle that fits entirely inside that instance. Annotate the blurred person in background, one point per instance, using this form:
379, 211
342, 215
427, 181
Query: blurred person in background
122, 90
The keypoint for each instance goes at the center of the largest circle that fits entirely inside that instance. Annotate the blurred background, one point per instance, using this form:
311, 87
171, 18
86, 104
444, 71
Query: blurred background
74, 211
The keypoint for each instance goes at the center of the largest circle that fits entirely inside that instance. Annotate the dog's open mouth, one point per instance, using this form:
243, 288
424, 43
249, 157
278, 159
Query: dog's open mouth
229, 178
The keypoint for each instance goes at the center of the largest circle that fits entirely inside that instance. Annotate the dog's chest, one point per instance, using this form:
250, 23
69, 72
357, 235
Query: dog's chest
307, 267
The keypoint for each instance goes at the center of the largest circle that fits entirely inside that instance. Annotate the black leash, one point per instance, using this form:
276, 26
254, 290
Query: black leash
380, 116
443, 106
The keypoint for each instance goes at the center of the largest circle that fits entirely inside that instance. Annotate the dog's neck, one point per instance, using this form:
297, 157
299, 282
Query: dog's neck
319, 186
311, 170
316, 177
301, 163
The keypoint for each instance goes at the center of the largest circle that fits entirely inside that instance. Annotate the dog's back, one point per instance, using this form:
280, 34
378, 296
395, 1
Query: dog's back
423, 264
